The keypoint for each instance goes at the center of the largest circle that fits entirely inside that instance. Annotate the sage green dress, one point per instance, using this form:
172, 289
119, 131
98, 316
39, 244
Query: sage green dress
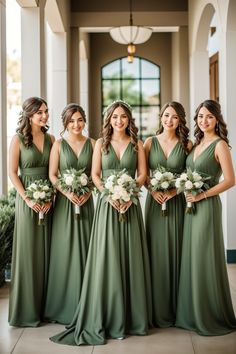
204, 302
31, 242
69, 242
116, 295
164, 236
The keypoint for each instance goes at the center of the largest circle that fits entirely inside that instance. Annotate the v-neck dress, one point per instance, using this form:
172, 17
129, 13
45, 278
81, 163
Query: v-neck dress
69, 243
31, 242
164, 237
204, 302
116, 296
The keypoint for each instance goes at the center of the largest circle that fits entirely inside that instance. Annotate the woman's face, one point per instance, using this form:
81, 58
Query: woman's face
40, 118
119, 120
206, 121
170, 119
76, 124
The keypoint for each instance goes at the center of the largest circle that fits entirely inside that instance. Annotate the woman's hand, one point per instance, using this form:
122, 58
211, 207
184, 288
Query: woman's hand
74, 198
159, 196
35, 206
125, 206
46, 207
84, 197
194, 198
170, 193
114, 203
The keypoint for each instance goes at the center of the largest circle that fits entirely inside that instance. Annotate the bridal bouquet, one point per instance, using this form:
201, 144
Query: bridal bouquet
121, 187
162, 180
75, 181
41, 192
191, 182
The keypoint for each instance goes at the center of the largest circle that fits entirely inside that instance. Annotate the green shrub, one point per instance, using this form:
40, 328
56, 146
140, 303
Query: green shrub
7, 216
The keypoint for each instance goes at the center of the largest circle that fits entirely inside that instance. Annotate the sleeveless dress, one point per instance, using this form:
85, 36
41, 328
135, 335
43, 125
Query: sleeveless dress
164, 237
31, 242
204, 302
116, 295
69, 242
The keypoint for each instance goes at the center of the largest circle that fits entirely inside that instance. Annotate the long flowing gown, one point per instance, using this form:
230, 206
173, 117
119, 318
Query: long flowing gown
31, 242
204, 302
69, 242
116, 295
164, 237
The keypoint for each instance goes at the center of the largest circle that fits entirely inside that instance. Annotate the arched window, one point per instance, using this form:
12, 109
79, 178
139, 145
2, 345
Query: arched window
139, 85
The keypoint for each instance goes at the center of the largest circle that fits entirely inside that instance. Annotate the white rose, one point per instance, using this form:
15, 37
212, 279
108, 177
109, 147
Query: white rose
120, 181
126, 178
158, 175
196, 177
111, 178
69, 180
45, 188
115, 196
198, 184
169, 175
178, 183
188, 185
42, 195
125, 196
83, 181
164, 185
36, 195
32, 186
184, 176
109, 184
153, 181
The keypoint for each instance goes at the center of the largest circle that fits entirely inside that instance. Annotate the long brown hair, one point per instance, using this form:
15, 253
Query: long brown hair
68, 112
220, 129
182, 131
107, 130
29, 107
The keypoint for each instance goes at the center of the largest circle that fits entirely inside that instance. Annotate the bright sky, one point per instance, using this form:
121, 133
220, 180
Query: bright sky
13, 28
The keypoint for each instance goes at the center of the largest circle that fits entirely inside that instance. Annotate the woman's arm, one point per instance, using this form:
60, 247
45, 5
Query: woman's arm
141, 166
97, 165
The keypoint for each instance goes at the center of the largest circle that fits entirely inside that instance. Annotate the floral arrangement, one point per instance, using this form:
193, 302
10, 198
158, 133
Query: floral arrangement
121, 187
41, 192
75, 181
162, 180
191, 182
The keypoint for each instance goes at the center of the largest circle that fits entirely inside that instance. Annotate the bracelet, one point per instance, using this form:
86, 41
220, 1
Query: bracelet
205, 195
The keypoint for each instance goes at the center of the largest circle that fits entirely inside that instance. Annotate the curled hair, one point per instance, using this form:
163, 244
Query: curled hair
220, 129
29, 107
182, 131
68, 112
107, 130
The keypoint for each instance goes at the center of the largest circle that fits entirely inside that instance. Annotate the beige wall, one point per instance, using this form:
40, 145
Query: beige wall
104, 50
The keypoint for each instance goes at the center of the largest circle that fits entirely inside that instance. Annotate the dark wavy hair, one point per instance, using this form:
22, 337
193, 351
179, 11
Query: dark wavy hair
107, 130
215, 109
68, 112
29, 107
182, 131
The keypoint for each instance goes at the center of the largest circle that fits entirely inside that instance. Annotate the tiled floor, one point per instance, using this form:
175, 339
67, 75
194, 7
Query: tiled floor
159, 341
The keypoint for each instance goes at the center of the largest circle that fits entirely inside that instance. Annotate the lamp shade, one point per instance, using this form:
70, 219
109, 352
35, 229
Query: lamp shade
130, 34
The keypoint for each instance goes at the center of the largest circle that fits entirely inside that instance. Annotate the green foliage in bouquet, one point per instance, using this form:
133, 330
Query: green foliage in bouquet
7, 216
75, 181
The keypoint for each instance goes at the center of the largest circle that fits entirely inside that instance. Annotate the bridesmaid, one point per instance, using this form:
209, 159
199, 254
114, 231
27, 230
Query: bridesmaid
115, 298
29, 151
204, 302
169, 149
70, 237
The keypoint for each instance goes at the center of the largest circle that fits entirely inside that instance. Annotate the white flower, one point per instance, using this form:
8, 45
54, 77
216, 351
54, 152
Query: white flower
32, 186
126, 196
109, 184
42, 195
45, 188
83, 180
196, 177
198, 184
158, 175
153, 181
69, 180
36, 195
184, 176
164, 185
188, 185
169, 175
178, 182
